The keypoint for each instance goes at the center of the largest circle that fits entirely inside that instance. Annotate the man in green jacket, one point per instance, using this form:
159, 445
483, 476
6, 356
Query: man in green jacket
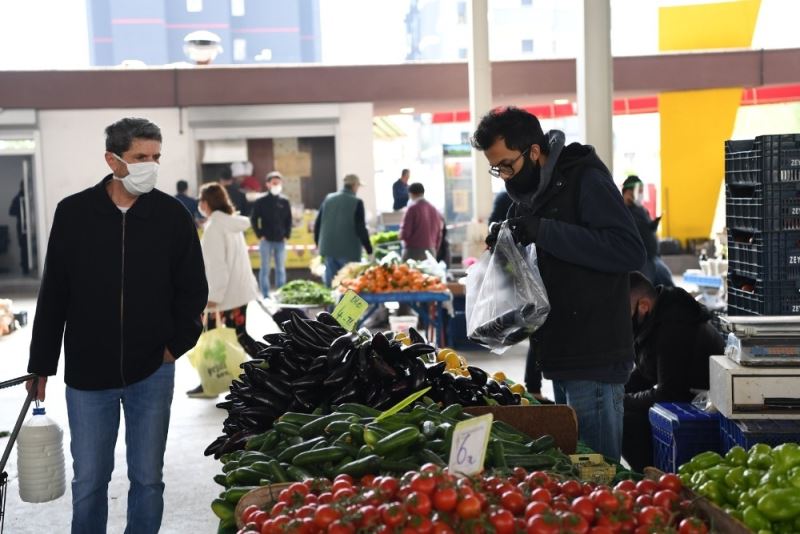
340, 229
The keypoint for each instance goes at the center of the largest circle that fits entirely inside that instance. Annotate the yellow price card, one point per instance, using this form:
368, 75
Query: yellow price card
349, 310
470, 441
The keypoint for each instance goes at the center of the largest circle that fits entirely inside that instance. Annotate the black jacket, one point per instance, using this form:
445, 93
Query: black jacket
586, 245
672, 350
502, 203
125, 287
647, 229
238, 199
272, 217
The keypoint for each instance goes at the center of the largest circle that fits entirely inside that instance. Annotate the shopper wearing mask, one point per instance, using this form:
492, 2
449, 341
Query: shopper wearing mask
567, 204
272, 222
128, 255
421, 228
654, 268
231, 284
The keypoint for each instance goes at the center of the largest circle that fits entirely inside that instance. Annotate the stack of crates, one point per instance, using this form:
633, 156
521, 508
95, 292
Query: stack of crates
762, 201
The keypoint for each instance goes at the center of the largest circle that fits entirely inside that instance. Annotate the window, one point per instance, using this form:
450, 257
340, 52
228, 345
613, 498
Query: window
462, 53
194, 6
239, 50
237, 8
462, 12
527, 46
526, 2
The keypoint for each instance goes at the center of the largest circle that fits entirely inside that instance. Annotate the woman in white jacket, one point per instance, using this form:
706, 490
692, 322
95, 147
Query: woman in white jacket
231, 283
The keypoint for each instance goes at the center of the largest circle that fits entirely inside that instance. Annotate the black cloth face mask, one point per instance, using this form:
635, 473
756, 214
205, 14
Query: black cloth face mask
526, 181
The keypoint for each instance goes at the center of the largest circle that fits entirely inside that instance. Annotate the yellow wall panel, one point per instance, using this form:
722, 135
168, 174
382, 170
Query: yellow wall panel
704, 26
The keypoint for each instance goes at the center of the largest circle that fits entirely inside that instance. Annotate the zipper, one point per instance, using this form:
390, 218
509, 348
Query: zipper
121, 306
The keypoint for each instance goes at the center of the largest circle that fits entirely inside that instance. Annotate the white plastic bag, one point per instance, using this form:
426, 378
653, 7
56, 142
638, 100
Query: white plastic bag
506, 299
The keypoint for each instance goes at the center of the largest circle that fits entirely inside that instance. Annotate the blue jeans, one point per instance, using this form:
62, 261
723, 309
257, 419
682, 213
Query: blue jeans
599, 407
333, 266
270, 249
94, 425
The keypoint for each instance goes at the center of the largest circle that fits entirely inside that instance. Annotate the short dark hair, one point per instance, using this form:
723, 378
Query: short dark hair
404, 172
416, 189
226, 174
516, 126
121, 134
641, 286
216, 197
182, 186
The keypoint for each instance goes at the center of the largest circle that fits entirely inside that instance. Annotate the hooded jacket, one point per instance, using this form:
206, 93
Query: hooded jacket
673, 345
586, 244
231, 283
120, 288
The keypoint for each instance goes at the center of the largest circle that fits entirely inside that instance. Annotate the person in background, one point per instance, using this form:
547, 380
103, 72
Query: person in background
128, 255
272, 222
235, 194
182, 186
421, 228
567, 204
231, 284
673, 339
340, 229
247, 182
400, 190
17, 210
654, 268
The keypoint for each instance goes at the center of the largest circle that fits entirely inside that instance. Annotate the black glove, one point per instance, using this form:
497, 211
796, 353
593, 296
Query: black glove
494, 230
525, 229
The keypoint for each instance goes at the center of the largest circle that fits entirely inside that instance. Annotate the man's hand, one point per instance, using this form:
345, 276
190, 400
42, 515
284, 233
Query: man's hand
525, 229
491, 239
40, 387
168, 357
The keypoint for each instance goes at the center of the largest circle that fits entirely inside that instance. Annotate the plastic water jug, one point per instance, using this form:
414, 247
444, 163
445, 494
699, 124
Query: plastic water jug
40, 459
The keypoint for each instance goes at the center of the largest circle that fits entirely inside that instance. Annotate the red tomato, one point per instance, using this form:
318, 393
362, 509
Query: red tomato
610, 521
305, 511
325, 497
644, 500
646, 487
370, 516
423, 483
573, 523
538, 479
420, 524
258, 518
298, 488
605, 501
418, 503
277, 509
571, 488
560, 503
250, 510
469, 508
541, 495
625, 500
388, 487
325, 515
584, 506
502, 521
445, 499
544, 524
625, 485
513, 501
310, 499
343, 493
441, 528
430, 468
653, 516
367, 480
393, 514
587, 488
667, 499
340, 527
692, 525
601, 530
670, 481
341, 484
537, 508
347, 478
520, 473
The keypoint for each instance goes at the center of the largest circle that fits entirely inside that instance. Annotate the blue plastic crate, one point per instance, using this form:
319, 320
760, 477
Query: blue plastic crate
748, 432
681, 431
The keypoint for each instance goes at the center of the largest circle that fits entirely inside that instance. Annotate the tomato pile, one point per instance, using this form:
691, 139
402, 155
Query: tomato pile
433, 501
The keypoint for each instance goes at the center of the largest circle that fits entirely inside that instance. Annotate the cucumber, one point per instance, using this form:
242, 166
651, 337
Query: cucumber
277, 472
499, 454
270, 441
230, 466
316, 427
338, 427
543, 443
251, 457
357, 433
358, 409
444, 431
394, 466
227, 526
287, 429
401, 438
437, 445
234, 494
512, 447
428, 456
298, 473
429, 429
223, 509
530, 461
297, 418
261, 467
220, 479
319, 456
454, 411
254, 443
286, 455
362, 466
244, 476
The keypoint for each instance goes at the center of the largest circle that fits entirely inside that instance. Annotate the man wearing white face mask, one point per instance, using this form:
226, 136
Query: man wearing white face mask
128, 254
272, 222
654, 268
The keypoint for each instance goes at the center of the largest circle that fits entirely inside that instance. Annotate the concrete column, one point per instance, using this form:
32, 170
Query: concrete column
480, 101
595, 78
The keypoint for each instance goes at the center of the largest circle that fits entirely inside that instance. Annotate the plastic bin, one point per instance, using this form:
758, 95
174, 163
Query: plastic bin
765, 159
402, 323
763, 207
767, 297
765, 255
742, 162
680, 431
748, 432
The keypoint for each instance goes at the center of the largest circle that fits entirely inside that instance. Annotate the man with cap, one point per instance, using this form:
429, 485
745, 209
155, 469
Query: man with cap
272, 223
340, 229
654, 268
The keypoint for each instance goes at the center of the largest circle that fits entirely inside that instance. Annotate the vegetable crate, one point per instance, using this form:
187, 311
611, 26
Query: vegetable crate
765, 159
748, 296
593, 468
763, 207
748, 432
680, 431
765, 255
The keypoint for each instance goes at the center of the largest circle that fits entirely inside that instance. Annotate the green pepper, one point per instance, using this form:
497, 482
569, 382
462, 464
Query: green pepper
686, 469
705, 460
755, 494
793, 477
754, 519
686, 479
786, 456
730, 495
717, 472
698, 479
734, 478
711, 490
760, 461
774, 479
759, 448
736, 456
753, 477
784, 527
780, 504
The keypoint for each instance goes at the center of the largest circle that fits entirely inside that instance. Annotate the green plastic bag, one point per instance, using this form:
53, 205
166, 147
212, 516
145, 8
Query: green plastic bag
217, 357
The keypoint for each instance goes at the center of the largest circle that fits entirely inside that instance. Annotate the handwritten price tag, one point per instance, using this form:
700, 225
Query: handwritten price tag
349, 310
468, 449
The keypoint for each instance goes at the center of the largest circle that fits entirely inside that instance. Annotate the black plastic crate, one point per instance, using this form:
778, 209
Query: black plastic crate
748, 296
763, 207
742, 162
748, 432
765, 255
780, 157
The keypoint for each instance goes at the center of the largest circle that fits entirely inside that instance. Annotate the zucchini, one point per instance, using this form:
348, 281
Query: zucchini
499, 454
358, 409
543, 443
530, 461
319, 456
234, 494
244, 476
277, 472
316, 427
402, 438
297, 418
454, 411
270, 441
428, 456
230, 466
338, 427
357, 433
394, 466
362, 466
220, 479
298, 473
287, 429
222, 509
261, 467
286, 455
254, 443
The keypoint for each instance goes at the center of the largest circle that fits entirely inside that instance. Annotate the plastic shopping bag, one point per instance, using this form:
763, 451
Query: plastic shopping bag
217, 357
506, 298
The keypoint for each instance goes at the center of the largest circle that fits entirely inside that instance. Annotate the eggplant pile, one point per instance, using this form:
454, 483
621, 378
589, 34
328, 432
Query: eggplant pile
312, 365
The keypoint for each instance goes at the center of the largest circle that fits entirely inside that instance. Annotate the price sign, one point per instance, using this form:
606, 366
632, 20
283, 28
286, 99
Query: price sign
468, 449
349, 310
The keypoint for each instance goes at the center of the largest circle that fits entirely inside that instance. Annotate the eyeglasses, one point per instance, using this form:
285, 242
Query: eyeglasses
505, 170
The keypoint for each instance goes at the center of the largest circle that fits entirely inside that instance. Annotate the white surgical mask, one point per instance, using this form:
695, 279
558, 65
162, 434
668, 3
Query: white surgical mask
276, 189
141, 177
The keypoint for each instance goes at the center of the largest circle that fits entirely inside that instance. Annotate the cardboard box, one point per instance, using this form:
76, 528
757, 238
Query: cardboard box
557, 420
458, 290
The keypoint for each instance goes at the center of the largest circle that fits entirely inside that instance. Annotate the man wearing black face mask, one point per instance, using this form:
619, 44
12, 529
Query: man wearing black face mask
566, 202
673, 339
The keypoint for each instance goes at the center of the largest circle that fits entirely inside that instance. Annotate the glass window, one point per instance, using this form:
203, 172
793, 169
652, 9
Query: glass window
194, 6
462, 53
527, 46
527, 2
239, 50
462, 12
237, 8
